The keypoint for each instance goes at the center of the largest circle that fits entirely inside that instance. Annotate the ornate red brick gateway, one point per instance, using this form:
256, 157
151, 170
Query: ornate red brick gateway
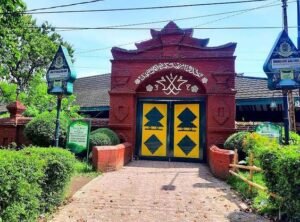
173, 97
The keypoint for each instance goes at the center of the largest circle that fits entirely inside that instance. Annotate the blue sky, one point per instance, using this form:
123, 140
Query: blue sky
92, 47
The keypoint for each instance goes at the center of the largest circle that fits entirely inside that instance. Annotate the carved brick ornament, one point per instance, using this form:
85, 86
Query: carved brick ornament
221, 112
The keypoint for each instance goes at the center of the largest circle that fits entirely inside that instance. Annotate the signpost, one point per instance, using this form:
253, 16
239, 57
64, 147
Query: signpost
283, 70
78, 136
60, 77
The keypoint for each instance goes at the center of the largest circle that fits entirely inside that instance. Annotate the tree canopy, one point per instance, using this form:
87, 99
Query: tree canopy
26, 51
26, 47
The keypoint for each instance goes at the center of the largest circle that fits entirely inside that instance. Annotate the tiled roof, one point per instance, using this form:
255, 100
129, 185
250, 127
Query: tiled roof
92, 91
255, 88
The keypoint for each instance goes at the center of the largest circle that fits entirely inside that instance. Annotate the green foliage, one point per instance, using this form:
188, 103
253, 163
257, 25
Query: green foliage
4, 115
113, 137
58, 169
7, 92
32, 181
281, 173
281, 168
235, 141
99, 139
294, 138
36, 99
85, 169
26, 47
76, 148
20, 191
40, 130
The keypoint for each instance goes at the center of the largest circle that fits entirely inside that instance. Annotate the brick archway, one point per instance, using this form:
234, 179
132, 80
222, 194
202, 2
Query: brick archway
174, 64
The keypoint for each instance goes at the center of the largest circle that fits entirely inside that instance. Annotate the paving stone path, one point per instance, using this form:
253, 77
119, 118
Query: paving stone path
153, 191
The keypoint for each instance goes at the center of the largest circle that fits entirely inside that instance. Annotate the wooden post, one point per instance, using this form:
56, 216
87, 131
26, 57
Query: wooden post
235, 160
251, 157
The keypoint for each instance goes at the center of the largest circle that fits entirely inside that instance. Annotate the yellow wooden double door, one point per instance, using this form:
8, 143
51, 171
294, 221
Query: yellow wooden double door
170, 130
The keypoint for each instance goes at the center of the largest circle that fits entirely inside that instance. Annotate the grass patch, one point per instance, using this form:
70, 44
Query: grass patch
83, 168
260, 200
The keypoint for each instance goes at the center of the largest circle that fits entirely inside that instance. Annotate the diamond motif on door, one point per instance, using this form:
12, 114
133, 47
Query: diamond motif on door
187, 118
153, 144
186, 130
186, 145
154, 116
154, 130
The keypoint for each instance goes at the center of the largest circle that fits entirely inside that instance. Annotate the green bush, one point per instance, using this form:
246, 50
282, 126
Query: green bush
235, 141
40, 130
58, 170
32, 181
20, 189
281, 172
113, 137
281, 168
99, 139
294, 138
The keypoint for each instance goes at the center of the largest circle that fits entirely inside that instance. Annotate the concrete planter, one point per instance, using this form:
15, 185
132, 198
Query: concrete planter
111, 158
219, 160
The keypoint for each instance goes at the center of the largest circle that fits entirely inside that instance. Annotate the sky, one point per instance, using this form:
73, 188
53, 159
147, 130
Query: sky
93, 47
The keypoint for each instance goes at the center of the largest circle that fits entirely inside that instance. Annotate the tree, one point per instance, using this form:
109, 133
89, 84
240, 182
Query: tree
36, 98
26, 48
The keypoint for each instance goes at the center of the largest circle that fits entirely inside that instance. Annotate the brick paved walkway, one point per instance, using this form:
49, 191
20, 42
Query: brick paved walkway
155, 191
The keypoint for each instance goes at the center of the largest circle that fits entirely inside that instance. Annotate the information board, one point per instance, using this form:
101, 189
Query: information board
270, 130
78, 136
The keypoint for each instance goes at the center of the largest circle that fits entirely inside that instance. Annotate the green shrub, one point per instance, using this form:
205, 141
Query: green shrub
40, 130
294, 138
20, 189
235, 141
99, 139
114, 139
281, 172
57, 174
32, 181
281, 168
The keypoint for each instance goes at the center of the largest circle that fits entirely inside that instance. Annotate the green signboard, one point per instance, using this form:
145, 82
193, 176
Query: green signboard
78, 136
270, 130
61, 73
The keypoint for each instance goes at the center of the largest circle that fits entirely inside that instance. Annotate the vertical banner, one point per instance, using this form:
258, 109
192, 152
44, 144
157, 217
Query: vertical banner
78, 136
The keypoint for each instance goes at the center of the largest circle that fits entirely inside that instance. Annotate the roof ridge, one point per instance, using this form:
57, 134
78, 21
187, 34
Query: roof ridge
85, 77
252, 77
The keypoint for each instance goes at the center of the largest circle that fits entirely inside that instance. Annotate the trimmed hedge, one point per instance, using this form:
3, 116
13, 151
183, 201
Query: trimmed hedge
20, 189
40, 130
32, 181
58, 169
103, 136
281, 169
114, 139
99, 139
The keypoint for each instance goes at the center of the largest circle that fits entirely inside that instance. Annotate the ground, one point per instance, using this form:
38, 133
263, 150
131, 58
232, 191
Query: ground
156, 191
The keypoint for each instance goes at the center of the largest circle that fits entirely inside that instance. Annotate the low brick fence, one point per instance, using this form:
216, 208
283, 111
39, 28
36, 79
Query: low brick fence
12, 128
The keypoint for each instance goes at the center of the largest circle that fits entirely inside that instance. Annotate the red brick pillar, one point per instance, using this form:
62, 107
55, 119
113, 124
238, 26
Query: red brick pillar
11, 129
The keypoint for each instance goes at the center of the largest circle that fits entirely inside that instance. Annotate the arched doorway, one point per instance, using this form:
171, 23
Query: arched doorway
171, 115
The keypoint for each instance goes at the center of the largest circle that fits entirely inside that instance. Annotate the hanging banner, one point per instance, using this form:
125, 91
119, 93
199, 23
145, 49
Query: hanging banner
78, 136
